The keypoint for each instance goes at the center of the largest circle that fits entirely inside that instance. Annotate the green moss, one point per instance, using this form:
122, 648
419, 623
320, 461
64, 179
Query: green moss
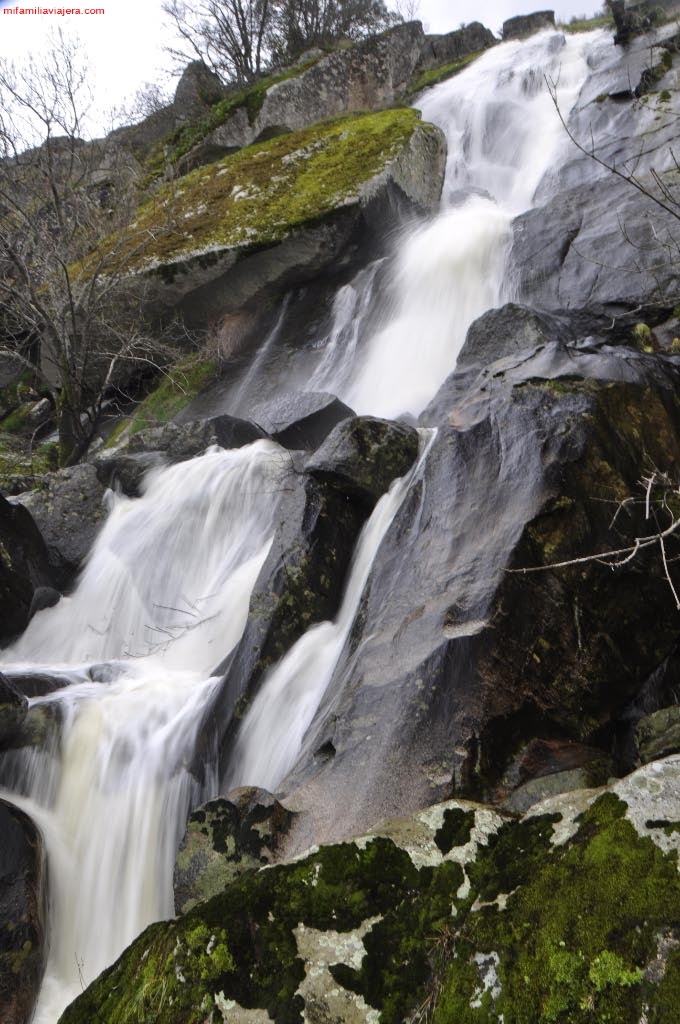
179, 386
456, 829
643, 338
441, 74
183, 139
588, 24
543, 935
20, 462
575, 937
257, 195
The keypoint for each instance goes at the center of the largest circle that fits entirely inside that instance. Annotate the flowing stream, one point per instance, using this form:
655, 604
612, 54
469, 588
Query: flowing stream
165, 593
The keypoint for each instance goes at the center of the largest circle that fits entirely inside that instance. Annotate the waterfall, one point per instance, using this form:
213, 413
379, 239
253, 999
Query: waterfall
165, 593
503, 136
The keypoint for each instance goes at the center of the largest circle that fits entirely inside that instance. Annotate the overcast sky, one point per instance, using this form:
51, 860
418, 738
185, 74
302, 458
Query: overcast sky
124, 45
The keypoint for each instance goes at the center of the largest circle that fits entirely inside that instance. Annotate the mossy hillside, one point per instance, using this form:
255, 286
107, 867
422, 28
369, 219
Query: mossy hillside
251, 99
179, 386
256, 196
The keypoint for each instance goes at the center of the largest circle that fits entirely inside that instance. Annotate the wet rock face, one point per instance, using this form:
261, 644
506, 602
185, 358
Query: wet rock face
22, 914
450, 671
225, 838
366, 928
24, 567
13, 708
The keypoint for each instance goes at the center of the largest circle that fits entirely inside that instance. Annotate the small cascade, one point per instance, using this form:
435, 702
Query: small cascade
271, 736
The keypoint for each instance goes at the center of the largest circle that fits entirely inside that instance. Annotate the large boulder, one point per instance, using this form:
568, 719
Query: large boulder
23, 906
260, 221
24, 566
69, 510
440, 50
524, 25
363, 455
567, 914
301, 421
197, 91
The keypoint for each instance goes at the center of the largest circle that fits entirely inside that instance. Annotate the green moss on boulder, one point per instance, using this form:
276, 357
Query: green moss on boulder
257, 195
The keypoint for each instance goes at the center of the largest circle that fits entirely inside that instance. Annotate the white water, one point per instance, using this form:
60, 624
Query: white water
165, 594
271, 736
503, 135
163, 598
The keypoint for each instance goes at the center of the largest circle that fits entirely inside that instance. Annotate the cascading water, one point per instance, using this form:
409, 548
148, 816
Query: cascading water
503, 135
271, 736
165, 594
163, 598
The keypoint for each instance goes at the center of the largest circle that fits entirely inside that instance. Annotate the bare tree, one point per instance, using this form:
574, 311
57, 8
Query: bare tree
240, 39
299, 25
228, 36
67, 313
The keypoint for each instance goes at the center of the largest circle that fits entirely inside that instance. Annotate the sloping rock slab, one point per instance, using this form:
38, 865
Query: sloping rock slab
263, 220
23, 901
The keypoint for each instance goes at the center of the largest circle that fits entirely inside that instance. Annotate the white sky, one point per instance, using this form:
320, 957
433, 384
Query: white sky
124, 45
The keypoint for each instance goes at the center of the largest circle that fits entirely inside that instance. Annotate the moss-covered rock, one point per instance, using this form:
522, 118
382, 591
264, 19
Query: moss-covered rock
566, 916
225, 838
363, 455
281, 210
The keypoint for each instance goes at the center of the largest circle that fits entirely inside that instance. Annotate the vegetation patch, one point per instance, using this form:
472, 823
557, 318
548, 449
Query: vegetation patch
257, 195
588, 24
179, 386
437, 75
